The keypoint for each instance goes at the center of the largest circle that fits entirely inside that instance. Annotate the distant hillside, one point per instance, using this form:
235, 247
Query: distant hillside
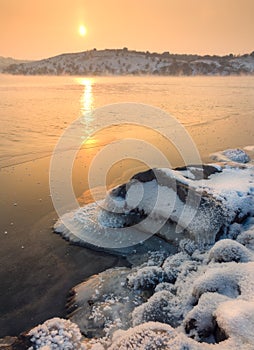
124, 61
7, 61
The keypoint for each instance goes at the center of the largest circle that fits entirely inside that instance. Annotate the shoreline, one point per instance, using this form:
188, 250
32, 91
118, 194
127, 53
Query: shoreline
38, 268
35, 262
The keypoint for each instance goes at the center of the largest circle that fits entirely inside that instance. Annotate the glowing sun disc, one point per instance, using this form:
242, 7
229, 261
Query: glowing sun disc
82, 30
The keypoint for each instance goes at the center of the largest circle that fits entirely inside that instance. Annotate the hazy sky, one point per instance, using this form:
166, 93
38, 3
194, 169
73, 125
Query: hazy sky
34, 29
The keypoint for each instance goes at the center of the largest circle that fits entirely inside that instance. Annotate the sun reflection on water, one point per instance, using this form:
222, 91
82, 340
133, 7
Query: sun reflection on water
87, 98
87, 105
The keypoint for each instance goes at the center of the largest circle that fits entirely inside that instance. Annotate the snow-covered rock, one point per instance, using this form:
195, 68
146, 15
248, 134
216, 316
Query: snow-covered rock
234, 155
174, 204
229, 279
228, 250
173, 265
150, 336
56, 333
200, 322
146, 277
160, 307
198, 301
203, 208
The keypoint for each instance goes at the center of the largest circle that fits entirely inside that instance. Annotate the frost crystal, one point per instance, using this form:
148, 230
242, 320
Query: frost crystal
56, 333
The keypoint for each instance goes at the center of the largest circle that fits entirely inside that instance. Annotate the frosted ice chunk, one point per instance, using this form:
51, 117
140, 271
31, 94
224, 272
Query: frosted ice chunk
161, 307
146, 278
57, 333
173, 265
228, 250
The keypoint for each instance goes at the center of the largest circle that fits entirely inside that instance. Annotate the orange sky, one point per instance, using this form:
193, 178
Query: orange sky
33, 29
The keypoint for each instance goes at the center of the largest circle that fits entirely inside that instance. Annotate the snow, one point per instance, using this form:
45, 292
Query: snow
171, 204
222, 279
247, 239
236, 317
189, 306
56, 333
161, 307
146, 277
234, 189
234, 155
149, 336
228, 250
199, 323
122, 62
173, 265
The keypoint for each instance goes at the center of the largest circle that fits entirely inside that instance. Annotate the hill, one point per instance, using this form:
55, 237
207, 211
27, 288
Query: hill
127, 62
7, 61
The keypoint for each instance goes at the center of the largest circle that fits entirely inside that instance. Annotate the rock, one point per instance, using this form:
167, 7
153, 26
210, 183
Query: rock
199, 172
198, 202
170, 197
161, 307
234, 155
200, 323
103, 303
228, 250
7, 342
22, 342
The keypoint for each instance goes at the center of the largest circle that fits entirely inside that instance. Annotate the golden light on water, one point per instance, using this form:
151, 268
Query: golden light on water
87, 96
86, 102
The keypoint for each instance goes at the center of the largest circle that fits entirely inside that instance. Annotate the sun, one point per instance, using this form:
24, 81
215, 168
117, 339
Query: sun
82, 30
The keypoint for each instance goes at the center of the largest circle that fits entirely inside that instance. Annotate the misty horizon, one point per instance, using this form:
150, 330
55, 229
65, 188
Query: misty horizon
234, 54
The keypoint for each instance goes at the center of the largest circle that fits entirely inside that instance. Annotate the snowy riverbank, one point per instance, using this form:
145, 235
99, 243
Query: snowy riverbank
199, 295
